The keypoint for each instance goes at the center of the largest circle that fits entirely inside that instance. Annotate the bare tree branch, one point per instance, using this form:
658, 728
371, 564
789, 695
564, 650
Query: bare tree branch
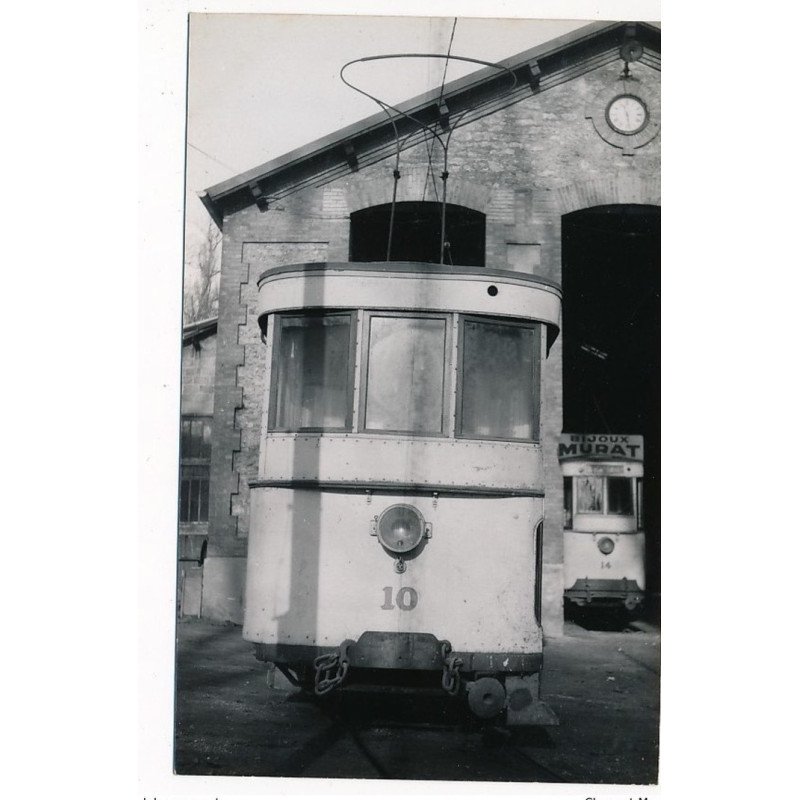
201, 290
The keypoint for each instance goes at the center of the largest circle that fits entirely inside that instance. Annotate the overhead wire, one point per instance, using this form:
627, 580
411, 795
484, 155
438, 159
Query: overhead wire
387, 107
208, 155
428, 151
444, 243
447, 59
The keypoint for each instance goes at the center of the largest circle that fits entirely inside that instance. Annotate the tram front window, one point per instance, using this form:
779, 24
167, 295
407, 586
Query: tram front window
312, 369
620, 496
498, 388
405, 375
590, 495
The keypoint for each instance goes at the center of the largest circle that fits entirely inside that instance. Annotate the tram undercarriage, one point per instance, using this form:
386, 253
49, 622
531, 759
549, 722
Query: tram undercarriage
493, 685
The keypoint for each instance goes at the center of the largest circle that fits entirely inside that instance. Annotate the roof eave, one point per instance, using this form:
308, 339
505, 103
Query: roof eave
214, 198
196, 331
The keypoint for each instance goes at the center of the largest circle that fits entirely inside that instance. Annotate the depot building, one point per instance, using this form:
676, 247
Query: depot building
555, 173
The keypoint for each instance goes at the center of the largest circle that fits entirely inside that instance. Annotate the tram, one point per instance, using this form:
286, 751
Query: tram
604, 538
396, 520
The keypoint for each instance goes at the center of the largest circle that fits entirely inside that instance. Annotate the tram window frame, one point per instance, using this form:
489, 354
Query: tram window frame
605, 510
631, 496
369, 315
536, 365
569, 503
639, 486
275, 370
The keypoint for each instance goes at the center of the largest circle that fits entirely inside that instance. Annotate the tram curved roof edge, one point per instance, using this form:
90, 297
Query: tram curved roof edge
448, 289
420, 267
324, 159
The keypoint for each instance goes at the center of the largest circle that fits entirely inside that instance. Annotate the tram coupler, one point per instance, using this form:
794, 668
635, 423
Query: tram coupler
396, 650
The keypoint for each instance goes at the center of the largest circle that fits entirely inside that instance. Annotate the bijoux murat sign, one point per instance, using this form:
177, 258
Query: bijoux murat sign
604, 446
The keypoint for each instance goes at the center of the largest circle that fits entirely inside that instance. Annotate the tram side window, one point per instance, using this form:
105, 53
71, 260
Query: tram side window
405, 374
312, 373
499, 381
568, 503
620, 496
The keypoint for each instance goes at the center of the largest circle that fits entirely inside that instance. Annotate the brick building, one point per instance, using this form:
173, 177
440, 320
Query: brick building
557, 176
198, 362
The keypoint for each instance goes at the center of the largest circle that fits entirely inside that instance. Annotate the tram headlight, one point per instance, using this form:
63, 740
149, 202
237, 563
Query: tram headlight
400, 528
605, 546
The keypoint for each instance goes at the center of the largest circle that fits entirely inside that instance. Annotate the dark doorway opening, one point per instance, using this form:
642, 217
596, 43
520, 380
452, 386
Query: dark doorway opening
416, 234
611, 265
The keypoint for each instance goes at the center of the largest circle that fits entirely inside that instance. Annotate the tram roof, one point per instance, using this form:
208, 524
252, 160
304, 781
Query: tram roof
475, 95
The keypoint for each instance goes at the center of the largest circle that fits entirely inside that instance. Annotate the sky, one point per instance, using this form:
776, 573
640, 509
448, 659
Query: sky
261, 85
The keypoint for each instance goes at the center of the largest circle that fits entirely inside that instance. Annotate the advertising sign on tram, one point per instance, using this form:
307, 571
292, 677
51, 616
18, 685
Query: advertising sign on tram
606, 446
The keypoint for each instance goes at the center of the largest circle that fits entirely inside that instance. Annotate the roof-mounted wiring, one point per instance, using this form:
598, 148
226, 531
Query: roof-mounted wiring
392, 113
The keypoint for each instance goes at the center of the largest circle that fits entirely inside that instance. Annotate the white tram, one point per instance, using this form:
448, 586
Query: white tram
396, 521
604, 536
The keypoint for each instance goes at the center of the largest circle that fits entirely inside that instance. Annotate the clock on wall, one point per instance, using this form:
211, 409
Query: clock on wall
625, 114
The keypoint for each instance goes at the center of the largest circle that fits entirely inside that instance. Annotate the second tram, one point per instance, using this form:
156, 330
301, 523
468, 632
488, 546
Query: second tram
604, 538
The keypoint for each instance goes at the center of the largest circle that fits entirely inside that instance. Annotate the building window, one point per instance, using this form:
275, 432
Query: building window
195, 468
417, 234
312, 373
405, 380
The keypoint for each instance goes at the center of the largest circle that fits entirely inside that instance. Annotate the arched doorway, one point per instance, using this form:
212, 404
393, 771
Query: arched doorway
611, 326
416, 233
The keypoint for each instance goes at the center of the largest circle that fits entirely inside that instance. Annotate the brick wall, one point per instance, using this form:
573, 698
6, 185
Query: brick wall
197, 377
524, 167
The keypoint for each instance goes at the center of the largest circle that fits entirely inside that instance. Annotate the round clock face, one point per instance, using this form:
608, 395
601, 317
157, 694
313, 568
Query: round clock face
626, 114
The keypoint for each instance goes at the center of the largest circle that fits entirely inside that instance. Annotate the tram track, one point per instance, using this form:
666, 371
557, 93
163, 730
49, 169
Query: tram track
369, 756
640, 663
300, 763
500, 754
297, 764
552, 777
